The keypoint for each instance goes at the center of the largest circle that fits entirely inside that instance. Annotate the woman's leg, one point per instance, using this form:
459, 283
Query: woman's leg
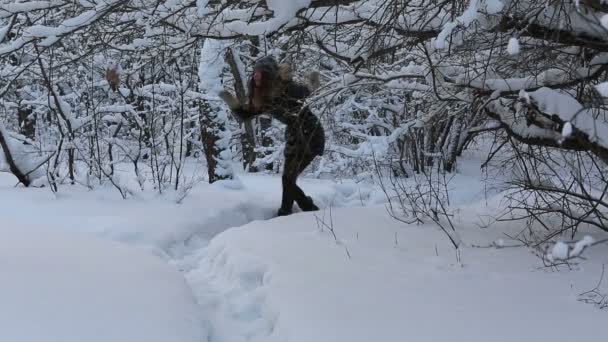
295, 163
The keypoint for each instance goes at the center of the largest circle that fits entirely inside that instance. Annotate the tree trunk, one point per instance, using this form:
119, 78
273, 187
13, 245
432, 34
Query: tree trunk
247, 136
209, 138
27, 122
22, 177
265, 126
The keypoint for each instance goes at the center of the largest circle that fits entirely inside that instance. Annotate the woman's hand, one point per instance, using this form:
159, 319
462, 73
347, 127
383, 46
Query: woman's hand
229, 99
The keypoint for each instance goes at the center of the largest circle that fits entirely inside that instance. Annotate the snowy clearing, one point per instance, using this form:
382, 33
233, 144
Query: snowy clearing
283, 279
452, 158
59, 286
66, 282
286, 280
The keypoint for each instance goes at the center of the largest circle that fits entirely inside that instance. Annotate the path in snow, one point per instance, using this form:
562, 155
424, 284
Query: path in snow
71, 287
179, 234
236, 306
251, 283
232, 288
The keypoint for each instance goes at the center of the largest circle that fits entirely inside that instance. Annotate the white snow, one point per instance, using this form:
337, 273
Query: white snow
50, 33
580, 245
211, 66
513, 46
288, 280
545, 78
602, 88
559, 251
62, 281
604, 21
7, 9
588, 120
468, 16
24, 156
567, 130
283, 13
59, 286
493, 6
281, 279
564, 251
201, 9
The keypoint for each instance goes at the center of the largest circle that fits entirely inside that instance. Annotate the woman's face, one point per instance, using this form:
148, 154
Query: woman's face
258, 78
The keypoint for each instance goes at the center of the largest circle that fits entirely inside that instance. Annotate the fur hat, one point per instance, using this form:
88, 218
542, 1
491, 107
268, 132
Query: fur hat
268, 66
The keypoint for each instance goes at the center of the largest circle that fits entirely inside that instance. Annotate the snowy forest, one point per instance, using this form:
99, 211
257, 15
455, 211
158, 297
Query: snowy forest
485, 122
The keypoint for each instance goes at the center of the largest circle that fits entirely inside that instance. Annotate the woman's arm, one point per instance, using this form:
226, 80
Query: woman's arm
243, 112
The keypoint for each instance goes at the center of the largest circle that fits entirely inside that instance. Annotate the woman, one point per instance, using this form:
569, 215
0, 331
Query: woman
272, 91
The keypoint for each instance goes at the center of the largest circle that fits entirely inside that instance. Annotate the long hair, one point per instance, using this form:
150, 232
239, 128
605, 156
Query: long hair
274, 76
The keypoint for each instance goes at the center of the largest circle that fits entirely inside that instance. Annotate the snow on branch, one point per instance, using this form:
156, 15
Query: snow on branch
568, 250
578, 29
7, 10
562, 107
539, 118
470, 15
49, 35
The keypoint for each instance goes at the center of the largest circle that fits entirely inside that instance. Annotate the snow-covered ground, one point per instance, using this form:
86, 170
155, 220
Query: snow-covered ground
87, 265
287, 280
59, 286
